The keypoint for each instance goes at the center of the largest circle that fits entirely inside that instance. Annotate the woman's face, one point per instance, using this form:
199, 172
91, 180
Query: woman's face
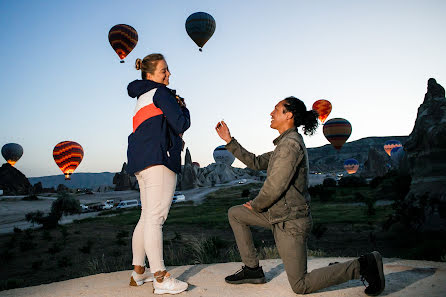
161, 74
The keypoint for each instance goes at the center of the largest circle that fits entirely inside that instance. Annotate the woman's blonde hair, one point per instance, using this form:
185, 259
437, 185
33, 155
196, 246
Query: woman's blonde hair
148, 64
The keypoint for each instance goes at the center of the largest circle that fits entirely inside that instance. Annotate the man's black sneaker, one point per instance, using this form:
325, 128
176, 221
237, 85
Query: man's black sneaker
371, 270
247, 275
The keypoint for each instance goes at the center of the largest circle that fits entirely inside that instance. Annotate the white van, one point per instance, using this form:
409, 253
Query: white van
127, 204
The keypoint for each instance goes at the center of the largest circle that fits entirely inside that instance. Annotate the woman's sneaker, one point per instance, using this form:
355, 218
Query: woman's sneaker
164, 283
371, 270
137, 279
247, 275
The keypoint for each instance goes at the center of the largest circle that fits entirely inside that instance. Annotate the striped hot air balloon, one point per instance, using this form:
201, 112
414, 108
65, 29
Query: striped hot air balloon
68, 155
200, 27
12, 152
390, 144
337, 131
351, 166
323, 108
123, 39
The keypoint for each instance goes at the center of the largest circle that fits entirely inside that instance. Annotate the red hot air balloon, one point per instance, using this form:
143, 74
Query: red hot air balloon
337, 131
323, 108
68, 155
200, 27
123, 38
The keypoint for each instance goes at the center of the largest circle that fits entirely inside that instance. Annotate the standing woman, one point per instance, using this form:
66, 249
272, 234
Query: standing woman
154, 156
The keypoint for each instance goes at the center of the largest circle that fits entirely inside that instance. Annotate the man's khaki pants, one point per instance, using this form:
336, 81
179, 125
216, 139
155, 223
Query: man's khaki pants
291, 240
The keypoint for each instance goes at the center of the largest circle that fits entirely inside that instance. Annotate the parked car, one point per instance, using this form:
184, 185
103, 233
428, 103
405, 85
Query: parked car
178, 197
107, 206
84, 207
127, 204
242, 181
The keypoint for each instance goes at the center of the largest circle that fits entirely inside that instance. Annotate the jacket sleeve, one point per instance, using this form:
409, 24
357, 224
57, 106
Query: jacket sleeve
177, 117
249, 159
288, 156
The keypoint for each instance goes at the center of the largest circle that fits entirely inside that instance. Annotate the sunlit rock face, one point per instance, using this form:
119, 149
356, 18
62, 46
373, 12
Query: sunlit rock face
426, 157
188, 173
13, 182
124, 181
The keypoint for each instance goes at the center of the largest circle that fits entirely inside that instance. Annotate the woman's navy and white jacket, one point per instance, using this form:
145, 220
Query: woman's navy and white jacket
157, 122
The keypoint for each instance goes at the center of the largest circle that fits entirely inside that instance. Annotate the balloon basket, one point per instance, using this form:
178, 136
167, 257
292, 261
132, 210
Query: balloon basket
200, 49
122, 61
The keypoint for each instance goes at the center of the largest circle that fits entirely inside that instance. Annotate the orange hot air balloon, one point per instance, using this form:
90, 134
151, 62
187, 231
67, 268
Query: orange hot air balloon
323, 108
337, 131
390, 144
68, 155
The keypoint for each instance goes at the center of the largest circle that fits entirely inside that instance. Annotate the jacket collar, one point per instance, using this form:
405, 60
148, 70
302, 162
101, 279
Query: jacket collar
276, 141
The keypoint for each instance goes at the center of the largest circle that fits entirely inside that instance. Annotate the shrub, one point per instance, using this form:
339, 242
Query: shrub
86, 249
329, 182
352, 181
55, 248
245, 193
318, 230
30, 198
65, 261
17, 230
37, 264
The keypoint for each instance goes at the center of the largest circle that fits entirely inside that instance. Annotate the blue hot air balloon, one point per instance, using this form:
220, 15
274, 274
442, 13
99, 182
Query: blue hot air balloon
12, 152
222, 155
200, 27
351, 166
397, 154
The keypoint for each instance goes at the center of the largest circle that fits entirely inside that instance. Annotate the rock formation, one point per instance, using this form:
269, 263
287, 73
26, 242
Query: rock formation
425, 158
13, 182
123, 180
188, 178
377, 164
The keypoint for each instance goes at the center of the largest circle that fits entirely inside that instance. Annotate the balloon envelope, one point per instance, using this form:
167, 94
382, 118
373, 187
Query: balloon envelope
351, 166
397, 154
323, 108
337, 131
68, 155
123, 39
200, 27
222, 155
390, 144
12, 152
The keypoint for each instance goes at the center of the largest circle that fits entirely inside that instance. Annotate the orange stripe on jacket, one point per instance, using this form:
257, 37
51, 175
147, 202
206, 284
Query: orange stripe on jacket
145, 113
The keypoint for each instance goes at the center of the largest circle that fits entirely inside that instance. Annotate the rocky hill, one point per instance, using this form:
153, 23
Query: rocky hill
327, 159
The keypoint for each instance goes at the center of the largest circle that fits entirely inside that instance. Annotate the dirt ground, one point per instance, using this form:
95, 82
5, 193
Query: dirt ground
403, 278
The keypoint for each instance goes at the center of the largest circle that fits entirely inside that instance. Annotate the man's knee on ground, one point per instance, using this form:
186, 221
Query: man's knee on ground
299, 287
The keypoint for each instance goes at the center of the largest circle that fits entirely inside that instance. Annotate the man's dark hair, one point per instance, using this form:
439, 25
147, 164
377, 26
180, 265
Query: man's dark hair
301, 116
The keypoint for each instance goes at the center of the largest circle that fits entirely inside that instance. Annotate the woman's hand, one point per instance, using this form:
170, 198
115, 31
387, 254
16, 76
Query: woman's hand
223, 131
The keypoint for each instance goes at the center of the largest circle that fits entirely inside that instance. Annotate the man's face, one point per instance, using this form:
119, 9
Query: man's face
278, 117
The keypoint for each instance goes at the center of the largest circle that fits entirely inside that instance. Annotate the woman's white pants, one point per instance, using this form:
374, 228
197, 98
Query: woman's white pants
156, 185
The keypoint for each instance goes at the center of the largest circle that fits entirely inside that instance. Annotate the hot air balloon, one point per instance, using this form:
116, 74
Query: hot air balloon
123, 38
390, 144
200, 27
323, 108
222, 155
12, 152
337, 131
397, 154
351, 166
68, 155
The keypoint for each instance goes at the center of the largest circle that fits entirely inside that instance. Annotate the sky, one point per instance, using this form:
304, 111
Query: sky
61, 80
